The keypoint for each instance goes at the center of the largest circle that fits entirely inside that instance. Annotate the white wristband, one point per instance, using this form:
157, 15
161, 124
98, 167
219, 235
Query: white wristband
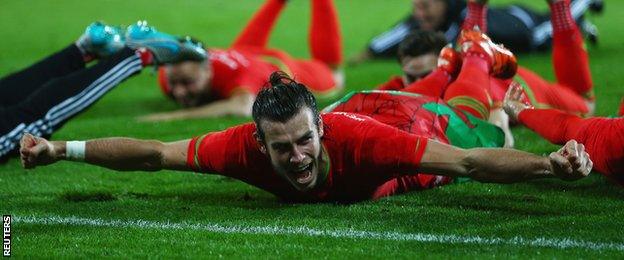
75, 150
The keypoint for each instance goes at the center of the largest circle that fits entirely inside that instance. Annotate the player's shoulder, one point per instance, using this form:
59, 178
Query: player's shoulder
242, 132
339, 118
346, 126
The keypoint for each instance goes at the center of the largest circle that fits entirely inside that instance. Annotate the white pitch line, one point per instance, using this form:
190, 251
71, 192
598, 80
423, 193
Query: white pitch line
559, 243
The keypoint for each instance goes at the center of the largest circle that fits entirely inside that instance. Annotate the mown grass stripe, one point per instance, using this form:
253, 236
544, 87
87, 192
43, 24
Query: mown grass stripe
559, 243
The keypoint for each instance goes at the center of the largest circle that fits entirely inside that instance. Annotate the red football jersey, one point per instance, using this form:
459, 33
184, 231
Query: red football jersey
248, 69
234, 68
363, 154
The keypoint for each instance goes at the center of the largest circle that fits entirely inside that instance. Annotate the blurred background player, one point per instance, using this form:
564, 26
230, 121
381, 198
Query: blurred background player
228, 81
517, 27
41, 98
299, 155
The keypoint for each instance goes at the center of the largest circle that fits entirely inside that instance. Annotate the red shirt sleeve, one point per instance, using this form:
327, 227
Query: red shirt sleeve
229, 152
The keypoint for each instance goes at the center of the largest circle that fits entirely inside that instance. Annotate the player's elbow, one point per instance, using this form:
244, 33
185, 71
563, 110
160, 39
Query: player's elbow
154, 157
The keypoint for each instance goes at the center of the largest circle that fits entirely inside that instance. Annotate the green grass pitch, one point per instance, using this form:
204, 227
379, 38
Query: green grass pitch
74, 210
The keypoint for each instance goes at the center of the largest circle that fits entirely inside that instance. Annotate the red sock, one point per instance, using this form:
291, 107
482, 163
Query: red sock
147, 58
561, 17
476, 15
570, 59
325, 40
470, 91
554, 125
433, 84
258, 30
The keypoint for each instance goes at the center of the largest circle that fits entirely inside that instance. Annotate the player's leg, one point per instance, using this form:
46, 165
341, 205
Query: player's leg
325, 39
435, 84
61, 98
317, 76
256, 33
543, 94
98, 40
476, 15
543, 32
469, 92
432, 85
570, 59
17, 86
482, 59
322, 74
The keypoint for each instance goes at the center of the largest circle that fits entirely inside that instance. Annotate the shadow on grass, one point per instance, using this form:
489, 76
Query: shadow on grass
594, 187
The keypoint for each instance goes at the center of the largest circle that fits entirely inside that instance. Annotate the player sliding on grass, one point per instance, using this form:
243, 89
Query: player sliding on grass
42, 97
227, 82
298, 155
602, 137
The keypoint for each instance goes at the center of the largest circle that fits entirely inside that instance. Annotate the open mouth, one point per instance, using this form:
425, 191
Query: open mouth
303, 175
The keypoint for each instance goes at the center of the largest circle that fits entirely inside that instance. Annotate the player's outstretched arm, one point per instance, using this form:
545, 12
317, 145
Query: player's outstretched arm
237, 105
124, 154
570, 163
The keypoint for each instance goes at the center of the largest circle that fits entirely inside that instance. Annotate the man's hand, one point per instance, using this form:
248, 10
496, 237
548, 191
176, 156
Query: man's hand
513, 103
35, 151
571, 162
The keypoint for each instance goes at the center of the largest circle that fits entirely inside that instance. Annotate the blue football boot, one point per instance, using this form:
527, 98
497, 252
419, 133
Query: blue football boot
101, 40
166, 48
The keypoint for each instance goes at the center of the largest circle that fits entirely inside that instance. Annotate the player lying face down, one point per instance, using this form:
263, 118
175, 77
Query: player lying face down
228, 80
297, 154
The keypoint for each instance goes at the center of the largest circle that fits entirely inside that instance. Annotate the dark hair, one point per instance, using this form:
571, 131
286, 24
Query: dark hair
280, 99
421, 42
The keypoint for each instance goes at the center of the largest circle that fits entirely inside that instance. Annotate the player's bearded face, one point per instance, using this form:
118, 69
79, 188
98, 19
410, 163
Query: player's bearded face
294, 148
189, 82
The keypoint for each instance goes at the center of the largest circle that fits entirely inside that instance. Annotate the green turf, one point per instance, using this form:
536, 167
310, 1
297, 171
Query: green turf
590, 210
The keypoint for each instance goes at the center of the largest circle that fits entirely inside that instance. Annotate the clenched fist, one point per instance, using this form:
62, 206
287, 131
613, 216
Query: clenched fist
571, 162
35, 151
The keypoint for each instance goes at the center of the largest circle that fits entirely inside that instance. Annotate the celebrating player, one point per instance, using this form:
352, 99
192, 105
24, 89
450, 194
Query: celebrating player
298, 155
227, 82
519, 28
42, 97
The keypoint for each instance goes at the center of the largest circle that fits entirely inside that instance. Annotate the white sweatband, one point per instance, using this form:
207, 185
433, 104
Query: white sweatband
75, 150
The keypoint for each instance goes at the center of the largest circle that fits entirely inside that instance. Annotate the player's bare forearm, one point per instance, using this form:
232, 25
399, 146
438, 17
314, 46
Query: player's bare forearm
124, 154
505, 165
238, 105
